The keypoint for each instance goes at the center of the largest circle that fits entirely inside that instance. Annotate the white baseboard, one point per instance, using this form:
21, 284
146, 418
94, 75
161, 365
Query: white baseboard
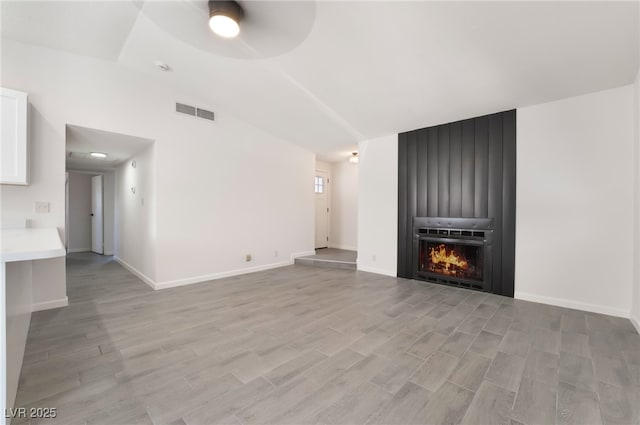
47, 305
203, 278
295, 255
136, 272
345, 247
73, 250
560, 302
375, 270
215, 276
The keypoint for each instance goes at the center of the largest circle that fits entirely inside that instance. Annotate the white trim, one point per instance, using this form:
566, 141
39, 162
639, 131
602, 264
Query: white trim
635, 323
295, 255
376, 270
345, 247
66, 211
3, 341
577, 305
206, 278
136, 272
72, 250
214, 276
46, 305
326, 260
108, 253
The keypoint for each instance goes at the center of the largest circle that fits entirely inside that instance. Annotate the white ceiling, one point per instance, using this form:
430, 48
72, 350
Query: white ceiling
81, 141
365, 69
89, 28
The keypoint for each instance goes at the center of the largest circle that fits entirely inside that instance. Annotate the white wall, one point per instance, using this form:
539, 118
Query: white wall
108, 207
344, 206
635, 296
324, 166
79, 212
46, 181
575, 202
136, 204
378, 205
223, 189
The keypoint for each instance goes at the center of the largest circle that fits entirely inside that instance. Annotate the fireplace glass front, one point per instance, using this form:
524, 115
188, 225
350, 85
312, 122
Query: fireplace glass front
451, 259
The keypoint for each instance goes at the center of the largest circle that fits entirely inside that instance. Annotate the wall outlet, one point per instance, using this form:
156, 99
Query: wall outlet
247, 257
275, 253
373, 257
42, 207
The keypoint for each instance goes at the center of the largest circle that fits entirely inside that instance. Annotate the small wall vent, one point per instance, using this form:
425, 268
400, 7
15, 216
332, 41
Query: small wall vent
186, 109
195, 112
207, 115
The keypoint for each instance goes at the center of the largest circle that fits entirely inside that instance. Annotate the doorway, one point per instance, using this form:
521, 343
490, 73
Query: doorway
90, 211
95, 164
336, 204
321, 187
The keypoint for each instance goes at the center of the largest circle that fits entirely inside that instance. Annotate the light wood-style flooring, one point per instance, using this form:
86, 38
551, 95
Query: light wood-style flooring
304, 345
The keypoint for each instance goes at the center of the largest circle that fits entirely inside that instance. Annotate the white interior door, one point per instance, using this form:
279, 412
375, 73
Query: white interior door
97, 229
322, 209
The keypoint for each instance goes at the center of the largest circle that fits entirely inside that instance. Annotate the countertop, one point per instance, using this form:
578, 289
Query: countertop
30, 244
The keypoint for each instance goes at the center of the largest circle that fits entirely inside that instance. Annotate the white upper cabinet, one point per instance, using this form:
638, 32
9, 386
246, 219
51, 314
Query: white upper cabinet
13, 158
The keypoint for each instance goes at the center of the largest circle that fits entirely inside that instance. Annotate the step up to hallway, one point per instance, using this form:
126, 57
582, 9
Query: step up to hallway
331, 258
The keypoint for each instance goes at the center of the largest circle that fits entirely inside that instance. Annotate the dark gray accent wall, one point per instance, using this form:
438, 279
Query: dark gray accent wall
461, 169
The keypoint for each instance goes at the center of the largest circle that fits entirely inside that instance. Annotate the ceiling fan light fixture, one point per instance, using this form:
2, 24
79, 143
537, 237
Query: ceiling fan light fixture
224, 18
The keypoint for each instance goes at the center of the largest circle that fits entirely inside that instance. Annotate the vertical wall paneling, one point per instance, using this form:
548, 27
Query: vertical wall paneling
468, 168
422, 173
432, 171
494, 194
403, 214
508, 201
462, 169
455, 170
443, 171
480, 204
412, 193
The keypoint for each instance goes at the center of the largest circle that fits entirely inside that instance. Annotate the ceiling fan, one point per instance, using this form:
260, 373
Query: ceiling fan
224, 17
239, 29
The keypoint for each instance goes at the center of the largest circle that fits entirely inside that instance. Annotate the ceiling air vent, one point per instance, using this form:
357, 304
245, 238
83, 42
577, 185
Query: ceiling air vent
207, 115
186, 109
195, 112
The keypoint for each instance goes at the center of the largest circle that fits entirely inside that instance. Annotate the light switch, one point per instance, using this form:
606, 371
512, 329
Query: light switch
42, 207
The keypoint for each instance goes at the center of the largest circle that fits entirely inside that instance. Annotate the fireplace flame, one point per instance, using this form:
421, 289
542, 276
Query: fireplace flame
439, 255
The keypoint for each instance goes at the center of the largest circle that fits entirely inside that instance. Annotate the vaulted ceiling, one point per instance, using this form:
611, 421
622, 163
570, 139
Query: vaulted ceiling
326, 75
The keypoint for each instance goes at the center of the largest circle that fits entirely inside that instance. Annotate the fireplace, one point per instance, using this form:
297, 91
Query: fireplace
453, 251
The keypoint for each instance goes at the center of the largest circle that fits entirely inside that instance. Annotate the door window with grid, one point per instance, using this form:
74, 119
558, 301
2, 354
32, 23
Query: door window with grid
319, 184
